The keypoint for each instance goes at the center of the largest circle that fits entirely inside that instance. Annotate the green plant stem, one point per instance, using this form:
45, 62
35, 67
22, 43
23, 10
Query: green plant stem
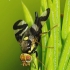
49, 62
53, 32
44, 37
58, 31
39, 50
68, 66
44, 40
55, 20
66, 21
50, 51
65, 54
43, 6
27, 15
34, 63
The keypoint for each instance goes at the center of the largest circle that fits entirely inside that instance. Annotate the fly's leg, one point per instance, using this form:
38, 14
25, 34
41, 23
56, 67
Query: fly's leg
36, 53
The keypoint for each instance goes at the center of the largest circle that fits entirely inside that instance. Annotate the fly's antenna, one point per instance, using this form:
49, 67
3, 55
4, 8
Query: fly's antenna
41, 63
35, 40
49, 30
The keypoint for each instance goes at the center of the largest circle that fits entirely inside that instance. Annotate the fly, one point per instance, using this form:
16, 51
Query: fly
29, 38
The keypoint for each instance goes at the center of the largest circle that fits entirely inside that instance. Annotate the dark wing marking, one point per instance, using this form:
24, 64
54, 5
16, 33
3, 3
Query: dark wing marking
38, 20
33, 31
19, 27
44, 18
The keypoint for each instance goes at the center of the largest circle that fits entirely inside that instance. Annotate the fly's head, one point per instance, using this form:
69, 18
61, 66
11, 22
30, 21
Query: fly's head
26, 59
25, 44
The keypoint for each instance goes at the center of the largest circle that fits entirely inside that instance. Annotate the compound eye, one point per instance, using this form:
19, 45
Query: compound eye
22, 57
28, 58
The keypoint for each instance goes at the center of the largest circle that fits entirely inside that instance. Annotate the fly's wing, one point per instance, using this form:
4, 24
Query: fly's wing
20, 28
36, 27
45, 15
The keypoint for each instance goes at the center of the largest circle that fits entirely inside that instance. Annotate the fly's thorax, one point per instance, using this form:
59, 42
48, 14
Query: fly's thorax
31, 37
26, 59
35, 27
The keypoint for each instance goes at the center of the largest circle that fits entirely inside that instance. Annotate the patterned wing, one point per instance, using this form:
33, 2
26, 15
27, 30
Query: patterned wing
20, 28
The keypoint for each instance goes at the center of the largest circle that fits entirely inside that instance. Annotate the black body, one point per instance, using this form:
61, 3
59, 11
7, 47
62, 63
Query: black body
32, 33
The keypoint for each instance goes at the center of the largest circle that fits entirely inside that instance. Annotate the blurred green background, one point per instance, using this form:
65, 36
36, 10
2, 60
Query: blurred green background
10, 12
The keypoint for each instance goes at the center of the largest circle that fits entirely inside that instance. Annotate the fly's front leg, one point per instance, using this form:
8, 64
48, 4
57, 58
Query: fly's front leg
36, 53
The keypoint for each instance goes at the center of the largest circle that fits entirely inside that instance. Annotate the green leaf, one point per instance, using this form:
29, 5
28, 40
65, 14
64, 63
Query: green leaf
43, 5
57, 18
34, 63
65, 54
27, 15
49, 61
66, 20
68, 66
44, 37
